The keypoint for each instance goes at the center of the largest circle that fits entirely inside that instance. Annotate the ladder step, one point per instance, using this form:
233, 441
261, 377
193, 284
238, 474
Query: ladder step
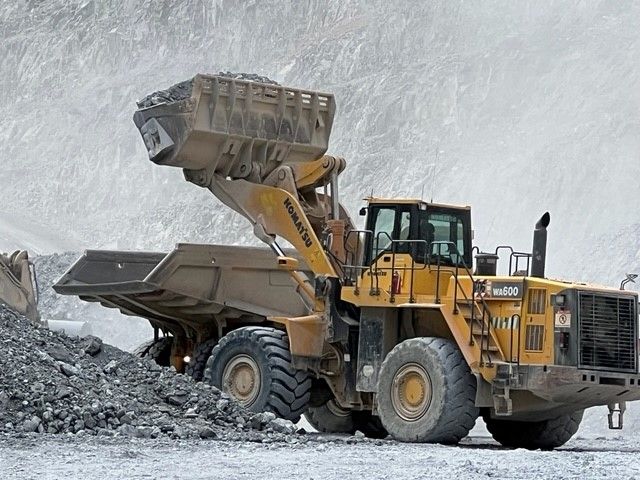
485, 348
477, 330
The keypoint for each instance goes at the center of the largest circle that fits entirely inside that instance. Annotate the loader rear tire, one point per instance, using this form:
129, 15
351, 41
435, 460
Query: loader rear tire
253, 365
158, 350
331, 418
426, 392
543, 435
202, 352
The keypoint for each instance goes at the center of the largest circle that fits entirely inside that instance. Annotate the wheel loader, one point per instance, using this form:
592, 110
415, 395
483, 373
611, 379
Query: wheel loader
388, 329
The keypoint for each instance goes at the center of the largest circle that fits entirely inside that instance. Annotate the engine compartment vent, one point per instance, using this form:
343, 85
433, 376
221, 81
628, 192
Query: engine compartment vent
607, 329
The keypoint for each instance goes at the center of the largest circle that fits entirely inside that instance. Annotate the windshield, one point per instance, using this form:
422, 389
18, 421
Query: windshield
445, 226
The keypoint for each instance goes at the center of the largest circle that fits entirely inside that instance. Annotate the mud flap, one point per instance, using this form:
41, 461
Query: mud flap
502, 403
378, 327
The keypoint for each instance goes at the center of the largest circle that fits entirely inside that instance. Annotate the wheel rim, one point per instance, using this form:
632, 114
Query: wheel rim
411, 392
241, 379
337, 410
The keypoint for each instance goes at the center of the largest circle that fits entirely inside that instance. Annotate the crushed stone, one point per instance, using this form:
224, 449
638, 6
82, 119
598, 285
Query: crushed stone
52, 383
182, 90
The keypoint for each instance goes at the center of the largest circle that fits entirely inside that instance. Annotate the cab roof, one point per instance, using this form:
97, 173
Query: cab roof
411, 201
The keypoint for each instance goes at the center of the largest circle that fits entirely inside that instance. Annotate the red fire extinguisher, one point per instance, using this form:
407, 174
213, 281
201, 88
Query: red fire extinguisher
396, 282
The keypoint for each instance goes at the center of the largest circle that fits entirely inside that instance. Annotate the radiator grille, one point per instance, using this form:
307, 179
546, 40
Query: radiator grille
537, 301
534, 338
607, 333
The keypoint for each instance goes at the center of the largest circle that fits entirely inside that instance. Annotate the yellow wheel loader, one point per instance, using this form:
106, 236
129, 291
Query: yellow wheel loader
389, 329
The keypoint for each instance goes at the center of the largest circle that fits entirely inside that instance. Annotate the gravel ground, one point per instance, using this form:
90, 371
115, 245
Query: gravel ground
53, 457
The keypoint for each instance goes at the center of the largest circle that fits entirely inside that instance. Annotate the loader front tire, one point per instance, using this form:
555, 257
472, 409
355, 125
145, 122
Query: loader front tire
543, 435
253, 365
426, 392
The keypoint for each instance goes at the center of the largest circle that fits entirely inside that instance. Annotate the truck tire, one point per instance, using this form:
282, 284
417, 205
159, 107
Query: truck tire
426, 392
202, 352
331, 418
253, 365
543, 435
369, 424
158, 350
141, 350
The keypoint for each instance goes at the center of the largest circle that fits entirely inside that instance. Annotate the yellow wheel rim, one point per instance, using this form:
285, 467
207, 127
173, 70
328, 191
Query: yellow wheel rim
411, 392
241, 379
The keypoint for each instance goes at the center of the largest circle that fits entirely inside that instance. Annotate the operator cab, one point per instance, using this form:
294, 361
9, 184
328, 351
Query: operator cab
429, 232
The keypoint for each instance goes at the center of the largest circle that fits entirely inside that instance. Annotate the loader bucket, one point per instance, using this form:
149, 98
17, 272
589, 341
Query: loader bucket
233, 127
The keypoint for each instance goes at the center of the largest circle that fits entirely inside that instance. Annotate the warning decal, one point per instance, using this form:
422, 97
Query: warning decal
563, 319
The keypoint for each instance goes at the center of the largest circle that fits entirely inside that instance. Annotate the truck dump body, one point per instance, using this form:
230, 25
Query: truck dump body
193, 289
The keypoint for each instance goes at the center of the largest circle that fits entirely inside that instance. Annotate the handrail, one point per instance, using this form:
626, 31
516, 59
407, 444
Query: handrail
514, 317
515, 254
391, 247
472, 302
476, 303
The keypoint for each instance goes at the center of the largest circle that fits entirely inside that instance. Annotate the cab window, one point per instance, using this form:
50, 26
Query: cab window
446, 234
387, 224
383, 231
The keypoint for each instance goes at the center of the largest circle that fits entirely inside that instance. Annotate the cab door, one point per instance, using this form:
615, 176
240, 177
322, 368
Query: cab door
389, 223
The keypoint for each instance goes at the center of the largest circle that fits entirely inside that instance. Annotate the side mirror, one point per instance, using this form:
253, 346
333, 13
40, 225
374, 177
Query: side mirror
363, 211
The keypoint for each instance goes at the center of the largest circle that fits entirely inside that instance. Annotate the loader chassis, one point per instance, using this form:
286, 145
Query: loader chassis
384, 329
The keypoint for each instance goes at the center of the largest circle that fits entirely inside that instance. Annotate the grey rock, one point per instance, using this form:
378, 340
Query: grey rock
177, 400
143, 432
110, 367
207, 432
31, 425
88, 420
259, 420
59, 353
63, 392
127, 430
69, 370
282, 426
126, 419
92, 345
78, 425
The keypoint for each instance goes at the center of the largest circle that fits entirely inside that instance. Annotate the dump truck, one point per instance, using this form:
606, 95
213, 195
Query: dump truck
389, 329
18, 289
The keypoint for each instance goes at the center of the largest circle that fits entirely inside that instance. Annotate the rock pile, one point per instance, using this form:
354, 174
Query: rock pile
182, 90
56, 384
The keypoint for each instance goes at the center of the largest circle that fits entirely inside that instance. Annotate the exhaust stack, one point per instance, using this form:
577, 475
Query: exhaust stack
539, 252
